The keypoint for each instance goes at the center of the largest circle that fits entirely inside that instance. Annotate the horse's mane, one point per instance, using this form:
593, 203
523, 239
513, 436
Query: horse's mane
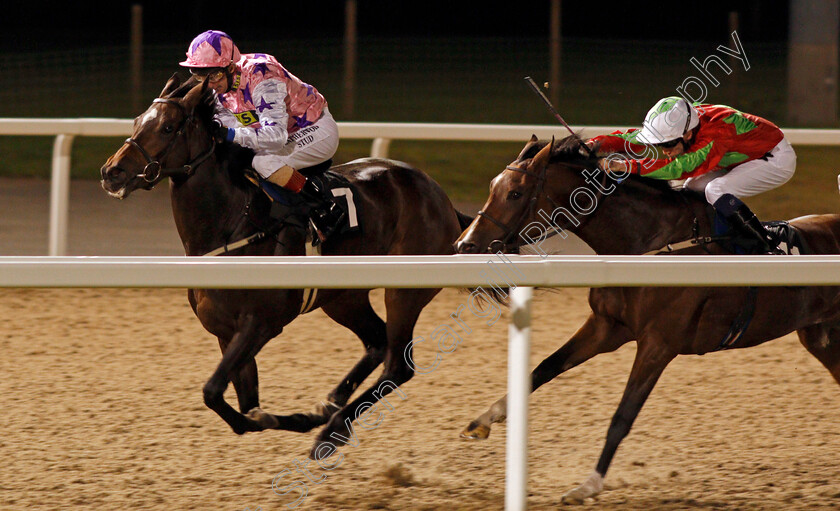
568, 150
238, 158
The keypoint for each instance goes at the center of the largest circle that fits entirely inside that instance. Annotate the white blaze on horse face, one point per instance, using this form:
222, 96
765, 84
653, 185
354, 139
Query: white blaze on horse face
498, 177
150, 116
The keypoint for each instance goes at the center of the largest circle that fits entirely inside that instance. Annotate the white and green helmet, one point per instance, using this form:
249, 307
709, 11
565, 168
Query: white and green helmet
669, 119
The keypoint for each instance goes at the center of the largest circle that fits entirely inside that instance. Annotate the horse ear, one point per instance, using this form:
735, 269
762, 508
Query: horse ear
540, 161
533, 140
194, 96
173, 83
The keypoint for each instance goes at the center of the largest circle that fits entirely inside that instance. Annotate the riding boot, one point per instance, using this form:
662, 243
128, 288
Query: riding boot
743, 220
324, 214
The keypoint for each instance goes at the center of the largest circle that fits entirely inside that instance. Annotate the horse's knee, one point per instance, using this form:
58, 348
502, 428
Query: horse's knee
391, 382
376, 354
398, 368
212, 393
397, 375
406, 374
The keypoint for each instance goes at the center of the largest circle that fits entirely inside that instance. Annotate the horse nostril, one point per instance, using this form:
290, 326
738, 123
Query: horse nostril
465, 247
111, 172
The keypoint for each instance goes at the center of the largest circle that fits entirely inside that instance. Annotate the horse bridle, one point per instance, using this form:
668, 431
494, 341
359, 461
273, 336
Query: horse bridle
511, 230
152, 172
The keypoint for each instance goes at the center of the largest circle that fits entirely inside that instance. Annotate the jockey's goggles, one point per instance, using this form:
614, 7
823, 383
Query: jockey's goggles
670, 144
202, 74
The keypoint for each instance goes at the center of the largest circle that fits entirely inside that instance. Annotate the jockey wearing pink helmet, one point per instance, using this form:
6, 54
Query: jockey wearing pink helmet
212, 49
262, 106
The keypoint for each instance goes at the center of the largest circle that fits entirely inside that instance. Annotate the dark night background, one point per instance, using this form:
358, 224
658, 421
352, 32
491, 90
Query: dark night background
432, 61
78, 24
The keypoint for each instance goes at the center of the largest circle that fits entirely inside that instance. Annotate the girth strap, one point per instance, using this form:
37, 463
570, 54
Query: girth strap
229, 247
742, 321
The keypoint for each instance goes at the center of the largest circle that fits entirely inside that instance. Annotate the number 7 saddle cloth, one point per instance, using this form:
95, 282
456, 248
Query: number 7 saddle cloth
286, 205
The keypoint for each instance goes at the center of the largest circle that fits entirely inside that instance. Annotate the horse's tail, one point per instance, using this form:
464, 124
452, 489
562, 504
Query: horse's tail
464, 220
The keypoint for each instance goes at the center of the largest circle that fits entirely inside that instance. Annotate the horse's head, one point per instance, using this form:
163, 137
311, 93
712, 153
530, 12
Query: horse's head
543, 178
170, 138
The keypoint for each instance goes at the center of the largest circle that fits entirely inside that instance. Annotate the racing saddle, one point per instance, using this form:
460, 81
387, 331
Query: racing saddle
292, 209
787, 237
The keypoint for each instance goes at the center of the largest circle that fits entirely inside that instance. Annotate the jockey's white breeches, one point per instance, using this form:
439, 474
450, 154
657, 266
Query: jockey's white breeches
749, 178
306, 147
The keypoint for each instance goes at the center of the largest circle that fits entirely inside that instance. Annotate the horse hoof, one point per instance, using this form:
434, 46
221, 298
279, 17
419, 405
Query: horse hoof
264, 419
322, 450
476, 431
592, 487
326, 409
573, 498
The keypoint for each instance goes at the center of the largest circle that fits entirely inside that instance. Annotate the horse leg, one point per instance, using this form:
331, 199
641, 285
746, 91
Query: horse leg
403, 307
245, 382
353, 311
238, 355
823, 341
599, 334
356, 314
651, 360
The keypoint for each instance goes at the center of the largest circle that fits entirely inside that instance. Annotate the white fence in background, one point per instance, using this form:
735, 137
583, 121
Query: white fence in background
65, 130
432, 271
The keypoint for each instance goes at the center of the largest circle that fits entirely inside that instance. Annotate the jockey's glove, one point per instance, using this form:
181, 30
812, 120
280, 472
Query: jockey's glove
221, 133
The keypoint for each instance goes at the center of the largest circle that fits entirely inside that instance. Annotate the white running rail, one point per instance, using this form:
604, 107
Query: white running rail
417, 271
65, 130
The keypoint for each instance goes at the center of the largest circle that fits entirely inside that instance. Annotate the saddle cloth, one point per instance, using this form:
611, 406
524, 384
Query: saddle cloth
287, 204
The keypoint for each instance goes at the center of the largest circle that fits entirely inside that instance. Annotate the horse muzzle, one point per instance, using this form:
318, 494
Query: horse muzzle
466, 247
495, 246
118, 182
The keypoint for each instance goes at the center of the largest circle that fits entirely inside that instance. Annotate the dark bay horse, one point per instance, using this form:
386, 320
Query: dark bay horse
636, 216
403, 211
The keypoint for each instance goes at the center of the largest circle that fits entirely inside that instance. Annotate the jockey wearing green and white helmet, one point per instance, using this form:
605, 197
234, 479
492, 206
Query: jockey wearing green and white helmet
720, 152
668, 121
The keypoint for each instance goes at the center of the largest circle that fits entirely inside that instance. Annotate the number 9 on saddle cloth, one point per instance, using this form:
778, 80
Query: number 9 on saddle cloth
290, 208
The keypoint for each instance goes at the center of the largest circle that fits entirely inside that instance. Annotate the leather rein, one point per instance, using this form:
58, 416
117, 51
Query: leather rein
153, 171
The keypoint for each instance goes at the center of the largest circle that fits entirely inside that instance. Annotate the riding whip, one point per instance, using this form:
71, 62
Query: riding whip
553, 111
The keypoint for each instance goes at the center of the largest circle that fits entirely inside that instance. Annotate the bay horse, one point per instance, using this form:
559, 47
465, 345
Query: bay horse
403, 212
636, 216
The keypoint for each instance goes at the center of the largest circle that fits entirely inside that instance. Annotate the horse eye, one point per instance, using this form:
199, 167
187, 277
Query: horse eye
514, 195
168, 129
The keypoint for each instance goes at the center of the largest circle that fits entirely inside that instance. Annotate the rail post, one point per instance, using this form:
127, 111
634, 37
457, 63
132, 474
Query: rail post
60, 194
519, 389
380, 146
